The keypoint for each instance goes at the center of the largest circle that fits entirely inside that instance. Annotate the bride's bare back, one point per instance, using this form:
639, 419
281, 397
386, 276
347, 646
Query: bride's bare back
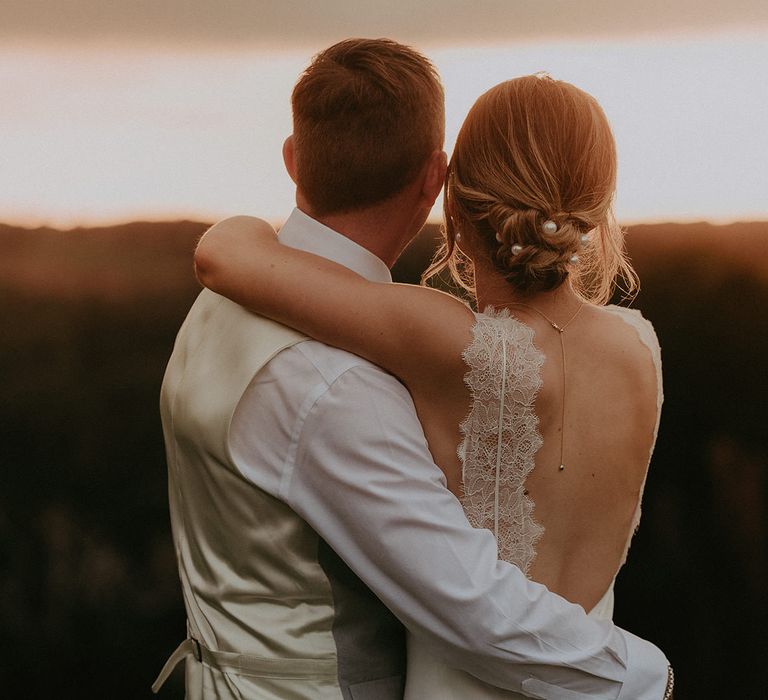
575, 539
589, 509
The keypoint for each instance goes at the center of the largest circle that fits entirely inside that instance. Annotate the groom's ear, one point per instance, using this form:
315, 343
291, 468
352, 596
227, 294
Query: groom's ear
434, 177
289, 158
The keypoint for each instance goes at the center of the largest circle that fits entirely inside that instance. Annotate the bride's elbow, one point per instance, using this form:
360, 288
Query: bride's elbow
224, 241
229, 246
205, 261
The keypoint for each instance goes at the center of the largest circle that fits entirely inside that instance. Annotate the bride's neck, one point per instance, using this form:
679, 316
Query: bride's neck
493, 290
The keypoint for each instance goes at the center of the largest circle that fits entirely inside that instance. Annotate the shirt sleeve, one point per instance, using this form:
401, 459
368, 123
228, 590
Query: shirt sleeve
363, 478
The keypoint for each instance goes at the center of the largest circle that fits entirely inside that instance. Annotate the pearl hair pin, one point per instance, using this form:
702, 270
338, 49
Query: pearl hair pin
573, 259
549, 227
457, 238
516, 249
498, 237
584, 239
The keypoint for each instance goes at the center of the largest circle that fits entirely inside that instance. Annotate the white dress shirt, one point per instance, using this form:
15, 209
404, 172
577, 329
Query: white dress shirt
345, 450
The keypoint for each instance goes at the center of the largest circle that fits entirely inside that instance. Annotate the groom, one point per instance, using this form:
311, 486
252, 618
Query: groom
310, 522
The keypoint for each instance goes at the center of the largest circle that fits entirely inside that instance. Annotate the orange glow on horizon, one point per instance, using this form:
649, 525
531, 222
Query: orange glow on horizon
96, 136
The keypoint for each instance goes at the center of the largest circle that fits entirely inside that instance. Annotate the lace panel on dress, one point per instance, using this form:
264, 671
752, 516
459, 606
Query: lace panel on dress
501, 433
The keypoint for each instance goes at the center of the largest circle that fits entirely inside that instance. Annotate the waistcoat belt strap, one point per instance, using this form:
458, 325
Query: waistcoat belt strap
248, 664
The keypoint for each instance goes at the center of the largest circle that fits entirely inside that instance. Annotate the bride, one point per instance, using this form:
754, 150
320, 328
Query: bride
551, 397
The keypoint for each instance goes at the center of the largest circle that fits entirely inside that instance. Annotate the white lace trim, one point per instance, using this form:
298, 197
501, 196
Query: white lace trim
501, 433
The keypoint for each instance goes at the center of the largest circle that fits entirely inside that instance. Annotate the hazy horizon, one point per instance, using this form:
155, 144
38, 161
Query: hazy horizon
178, 110
278, 222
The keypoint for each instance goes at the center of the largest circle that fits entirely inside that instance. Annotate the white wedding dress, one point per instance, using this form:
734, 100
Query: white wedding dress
500, 442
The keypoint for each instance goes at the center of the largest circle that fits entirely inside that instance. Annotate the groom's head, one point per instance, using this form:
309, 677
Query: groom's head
367, 115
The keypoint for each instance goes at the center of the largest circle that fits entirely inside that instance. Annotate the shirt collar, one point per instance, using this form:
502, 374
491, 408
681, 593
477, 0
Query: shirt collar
305, 233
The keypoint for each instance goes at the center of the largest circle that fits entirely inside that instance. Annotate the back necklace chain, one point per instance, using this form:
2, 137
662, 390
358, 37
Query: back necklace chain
561, 333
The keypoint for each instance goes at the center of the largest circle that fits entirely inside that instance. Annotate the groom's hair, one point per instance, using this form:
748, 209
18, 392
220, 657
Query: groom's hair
367, 113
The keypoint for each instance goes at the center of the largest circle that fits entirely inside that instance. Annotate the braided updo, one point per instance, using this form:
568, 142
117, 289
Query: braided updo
534, 150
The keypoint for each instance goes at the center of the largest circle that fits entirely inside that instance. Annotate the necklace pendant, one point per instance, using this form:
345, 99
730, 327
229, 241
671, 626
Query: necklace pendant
561, 468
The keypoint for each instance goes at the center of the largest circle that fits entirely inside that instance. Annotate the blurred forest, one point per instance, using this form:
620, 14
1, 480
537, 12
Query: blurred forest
90, 605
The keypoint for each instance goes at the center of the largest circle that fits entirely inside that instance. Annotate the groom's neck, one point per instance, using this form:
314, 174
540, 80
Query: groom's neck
384, 230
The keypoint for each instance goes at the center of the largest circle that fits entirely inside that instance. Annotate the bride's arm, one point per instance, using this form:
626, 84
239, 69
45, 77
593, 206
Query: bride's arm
416, 333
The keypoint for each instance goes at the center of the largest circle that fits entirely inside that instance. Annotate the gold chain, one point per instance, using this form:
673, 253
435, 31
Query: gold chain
561, 333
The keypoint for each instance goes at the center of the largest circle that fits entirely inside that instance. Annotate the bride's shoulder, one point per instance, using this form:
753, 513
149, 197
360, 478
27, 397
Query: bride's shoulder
432, 329
634, 319
436, 309
629, 314
630, 344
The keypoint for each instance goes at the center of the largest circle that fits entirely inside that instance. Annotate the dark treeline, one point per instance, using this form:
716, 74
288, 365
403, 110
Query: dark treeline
90, 604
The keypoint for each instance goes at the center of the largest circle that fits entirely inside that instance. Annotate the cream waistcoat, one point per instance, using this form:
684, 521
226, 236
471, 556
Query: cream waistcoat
257, 581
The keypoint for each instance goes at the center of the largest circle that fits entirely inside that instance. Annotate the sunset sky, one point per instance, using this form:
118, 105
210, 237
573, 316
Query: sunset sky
178, 108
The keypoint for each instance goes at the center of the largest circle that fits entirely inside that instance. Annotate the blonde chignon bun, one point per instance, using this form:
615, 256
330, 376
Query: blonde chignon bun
535, 150
532, 256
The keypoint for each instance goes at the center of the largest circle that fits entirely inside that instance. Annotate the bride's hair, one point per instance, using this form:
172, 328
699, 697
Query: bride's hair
535, 150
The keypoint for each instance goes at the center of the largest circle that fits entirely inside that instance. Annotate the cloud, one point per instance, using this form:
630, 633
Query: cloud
291, 23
